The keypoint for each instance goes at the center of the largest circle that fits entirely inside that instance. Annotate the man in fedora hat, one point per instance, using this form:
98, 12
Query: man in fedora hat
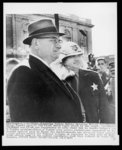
85, 83
34, 92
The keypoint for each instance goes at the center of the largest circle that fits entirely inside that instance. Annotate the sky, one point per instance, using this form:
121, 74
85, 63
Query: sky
103, 16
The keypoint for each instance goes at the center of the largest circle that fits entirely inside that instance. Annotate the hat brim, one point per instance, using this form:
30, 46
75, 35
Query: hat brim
101, 58
75, 54
111, 63
28, 39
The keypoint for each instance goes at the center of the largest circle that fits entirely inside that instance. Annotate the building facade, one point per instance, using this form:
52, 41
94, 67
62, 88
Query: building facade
76, 30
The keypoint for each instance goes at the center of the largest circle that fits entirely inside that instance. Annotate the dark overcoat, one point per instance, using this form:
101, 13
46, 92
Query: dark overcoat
36, 94
93, 97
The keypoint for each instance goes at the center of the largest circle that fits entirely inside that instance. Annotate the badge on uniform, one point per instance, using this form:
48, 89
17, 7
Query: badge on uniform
94, 86
94, 89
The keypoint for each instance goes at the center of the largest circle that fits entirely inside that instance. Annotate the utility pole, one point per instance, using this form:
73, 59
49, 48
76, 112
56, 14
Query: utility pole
56, 16
14, 35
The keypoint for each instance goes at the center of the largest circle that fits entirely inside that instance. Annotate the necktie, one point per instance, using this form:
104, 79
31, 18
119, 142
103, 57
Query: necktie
75, 94
74, 83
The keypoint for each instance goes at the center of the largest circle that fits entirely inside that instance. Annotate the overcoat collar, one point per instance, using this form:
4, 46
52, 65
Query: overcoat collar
40, 68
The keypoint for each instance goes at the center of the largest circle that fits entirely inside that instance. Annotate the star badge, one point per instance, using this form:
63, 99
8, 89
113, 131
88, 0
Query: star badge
109, 93
94, 86
107, 78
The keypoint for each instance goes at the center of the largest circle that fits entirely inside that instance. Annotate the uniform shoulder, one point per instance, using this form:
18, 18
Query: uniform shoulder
90, 75
88, 72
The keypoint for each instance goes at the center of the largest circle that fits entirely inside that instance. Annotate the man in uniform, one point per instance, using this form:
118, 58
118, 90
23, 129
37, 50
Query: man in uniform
102, 69
110, 90
85, 83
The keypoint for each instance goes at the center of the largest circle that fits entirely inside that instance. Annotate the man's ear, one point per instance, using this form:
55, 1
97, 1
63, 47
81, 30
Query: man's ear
35, 43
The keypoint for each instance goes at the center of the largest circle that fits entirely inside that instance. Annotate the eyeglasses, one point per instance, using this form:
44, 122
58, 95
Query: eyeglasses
99, 64
55, 40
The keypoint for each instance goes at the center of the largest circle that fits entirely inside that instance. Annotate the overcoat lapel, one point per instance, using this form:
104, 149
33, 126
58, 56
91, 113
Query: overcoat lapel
40, 68
82, 74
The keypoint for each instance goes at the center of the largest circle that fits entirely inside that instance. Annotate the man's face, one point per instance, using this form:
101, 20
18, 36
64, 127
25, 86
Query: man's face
101, 65
73, 62
112, 69
49, 48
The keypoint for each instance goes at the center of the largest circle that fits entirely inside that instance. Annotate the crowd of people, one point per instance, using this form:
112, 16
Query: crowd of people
52, 85
106, 70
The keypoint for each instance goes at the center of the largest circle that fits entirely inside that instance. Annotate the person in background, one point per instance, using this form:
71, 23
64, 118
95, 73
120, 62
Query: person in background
111, 83
34, 91
102, 69
85, 83
110, 89
91, 62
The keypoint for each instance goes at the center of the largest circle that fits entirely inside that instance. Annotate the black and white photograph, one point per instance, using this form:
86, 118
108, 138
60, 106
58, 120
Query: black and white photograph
60, 74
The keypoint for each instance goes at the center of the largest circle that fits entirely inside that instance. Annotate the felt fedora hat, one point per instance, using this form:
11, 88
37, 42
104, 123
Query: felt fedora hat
41, 28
